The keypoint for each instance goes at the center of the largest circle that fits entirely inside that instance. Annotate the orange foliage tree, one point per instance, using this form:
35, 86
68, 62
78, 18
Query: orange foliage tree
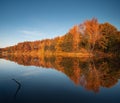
90, 29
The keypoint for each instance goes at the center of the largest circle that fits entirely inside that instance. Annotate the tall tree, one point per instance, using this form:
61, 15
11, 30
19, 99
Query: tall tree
109, 36
90, 29
76, 37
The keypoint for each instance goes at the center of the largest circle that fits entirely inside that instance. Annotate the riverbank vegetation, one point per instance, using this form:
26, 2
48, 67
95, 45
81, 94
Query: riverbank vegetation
90, 38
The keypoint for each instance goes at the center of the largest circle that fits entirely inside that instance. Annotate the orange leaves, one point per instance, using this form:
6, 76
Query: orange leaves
92, 29
74, 30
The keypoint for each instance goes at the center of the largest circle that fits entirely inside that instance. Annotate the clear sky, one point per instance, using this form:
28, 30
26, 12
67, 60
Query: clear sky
28, 20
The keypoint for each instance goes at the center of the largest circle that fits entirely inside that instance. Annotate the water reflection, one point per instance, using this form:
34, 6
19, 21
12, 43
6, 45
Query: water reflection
89, 73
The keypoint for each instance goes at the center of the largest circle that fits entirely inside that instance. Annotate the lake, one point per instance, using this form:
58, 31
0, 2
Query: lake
25, 79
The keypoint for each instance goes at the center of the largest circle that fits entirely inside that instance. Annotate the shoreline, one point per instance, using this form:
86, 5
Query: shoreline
63, 54
34, 53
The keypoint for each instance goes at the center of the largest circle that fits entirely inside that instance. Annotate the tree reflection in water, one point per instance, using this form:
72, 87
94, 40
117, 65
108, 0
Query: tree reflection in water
89, 73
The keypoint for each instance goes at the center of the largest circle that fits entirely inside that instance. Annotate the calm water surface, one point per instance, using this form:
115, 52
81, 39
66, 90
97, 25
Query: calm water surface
59, 80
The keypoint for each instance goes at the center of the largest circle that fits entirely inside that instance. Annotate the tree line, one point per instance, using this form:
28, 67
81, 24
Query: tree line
90, 36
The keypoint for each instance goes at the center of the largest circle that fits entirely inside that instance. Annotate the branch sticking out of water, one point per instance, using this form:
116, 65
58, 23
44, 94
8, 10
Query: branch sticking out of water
18, 88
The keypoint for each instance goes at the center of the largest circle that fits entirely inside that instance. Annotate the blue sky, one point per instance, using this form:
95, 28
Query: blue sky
28, 20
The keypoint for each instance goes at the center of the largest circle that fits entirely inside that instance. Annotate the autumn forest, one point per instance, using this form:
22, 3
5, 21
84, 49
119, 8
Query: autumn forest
89, 38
